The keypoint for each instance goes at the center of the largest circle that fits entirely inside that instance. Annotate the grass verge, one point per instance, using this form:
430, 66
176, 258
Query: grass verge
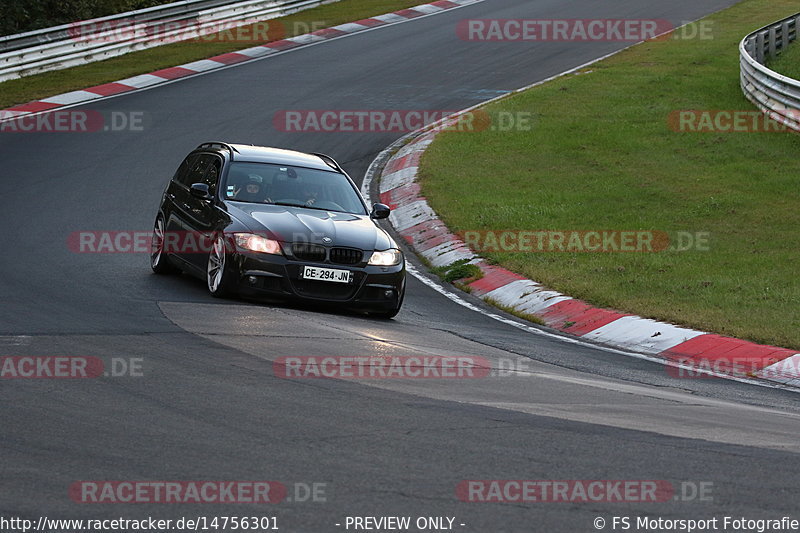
460, 274
603, 156
23, 90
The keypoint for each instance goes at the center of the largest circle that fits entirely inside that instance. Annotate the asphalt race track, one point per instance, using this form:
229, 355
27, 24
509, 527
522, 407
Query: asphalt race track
208, 405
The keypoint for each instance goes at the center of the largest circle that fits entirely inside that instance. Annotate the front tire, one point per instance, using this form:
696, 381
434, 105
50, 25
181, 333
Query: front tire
159, 261
219, 276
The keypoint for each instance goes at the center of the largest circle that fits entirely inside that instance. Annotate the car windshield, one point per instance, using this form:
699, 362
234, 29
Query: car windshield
309, 188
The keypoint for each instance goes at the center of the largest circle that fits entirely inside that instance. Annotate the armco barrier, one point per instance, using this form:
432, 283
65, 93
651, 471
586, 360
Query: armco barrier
77, 43
776, 95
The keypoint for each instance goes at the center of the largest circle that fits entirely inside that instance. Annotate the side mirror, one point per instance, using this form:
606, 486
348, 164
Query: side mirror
200, 190
380, 211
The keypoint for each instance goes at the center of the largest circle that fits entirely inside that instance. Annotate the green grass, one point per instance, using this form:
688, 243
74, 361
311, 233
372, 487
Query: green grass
601, 155
460, 270
787, 62
23, 90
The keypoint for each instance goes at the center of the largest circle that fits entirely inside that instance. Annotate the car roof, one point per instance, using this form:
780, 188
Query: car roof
264, 154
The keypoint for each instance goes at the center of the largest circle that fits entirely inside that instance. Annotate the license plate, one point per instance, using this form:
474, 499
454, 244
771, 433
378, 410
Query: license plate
327, 274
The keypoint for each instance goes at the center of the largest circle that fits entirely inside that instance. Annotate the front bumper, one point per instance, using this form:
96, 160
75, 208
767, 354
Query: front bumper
374, 288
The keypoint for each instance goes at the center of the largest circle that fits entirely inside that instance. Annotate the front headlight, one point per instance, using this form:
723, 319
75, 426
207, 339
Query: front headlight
386, 257
257, 243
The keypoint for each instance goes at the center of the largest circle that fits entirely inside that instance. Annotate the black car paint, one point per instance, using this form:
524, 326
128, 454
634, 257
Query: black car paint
189, 207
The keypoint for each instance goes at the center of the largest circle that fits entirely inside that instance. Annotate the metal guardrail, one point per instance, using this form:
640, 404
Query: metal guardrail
776, 95
102, 38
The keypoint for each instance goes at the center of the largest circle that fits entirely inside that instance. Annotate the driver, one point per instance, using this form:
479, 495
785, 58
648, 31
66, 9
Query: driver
253, 190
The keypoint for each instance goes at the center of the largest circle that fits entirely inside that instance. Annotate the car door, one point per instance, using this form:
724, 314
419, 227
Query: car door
172, 204
201, 215
179, 217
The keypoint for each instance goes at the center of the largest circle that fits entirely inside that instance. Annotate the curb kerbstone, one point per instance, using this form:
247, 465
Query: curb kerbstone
685, 348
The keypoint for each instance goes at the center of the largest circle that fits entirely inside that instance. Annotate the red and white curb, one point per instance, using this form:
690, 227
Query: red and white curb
196, 67
683, 348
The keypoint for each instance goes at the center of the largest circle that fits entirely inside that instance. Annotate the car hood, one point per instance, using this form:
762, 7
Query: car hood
298, 224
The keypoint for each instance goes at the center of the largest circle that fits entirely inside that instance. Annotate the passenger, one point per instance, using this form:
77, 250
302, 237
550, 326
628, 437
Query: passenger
310, 194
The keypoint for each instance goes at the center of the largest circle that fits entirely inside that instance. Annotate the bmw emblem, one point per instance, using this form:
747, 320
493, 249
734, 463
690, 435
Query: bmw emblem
327, 240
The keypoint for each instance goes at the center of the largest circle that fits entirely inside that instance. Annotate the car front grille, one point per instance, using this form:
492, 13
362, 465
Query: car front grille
309, 252
346, 256
318, 254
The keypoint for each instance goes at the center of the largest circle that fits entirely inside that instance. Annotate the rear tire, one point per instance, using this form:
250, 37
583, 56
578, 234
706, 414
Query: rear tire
159, 261
219, 277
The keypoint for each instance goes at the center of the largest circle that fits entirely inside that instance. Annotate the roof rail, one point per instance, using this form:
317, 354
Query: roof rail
213, 144
331, 162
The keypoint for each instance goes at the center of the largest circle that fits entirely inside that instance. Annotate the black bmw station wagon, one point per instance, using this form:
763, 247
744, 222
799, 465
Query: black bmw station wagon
277, 223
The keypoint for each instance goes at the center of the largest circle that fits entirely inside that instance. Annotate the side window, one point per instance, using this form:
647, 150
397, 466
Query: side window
197, 169
212, 174
182, 173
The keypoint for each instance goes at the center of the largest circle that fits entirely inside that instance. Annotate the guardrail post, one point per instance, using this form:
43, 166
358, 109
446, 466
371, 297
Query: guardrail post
773, 41
786, 36
760, 47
